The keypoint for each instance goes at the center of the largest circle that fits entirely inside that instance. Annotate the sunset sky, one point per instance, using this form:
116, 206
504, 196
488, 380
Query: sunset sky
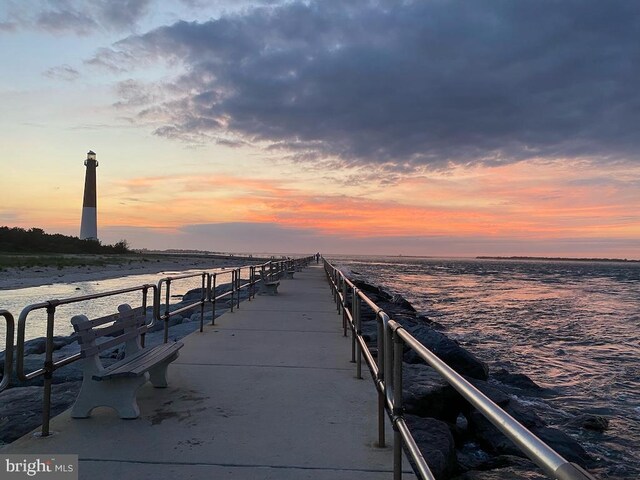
427, 127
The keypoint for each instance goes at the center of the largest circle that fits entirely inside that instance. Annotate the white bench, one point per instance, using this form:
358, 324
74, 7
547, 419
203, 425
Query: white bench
116, 385
270, 287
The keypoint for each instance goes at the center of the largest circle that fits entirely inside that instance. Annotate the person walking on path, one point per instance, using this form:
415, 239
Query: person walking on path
317, 258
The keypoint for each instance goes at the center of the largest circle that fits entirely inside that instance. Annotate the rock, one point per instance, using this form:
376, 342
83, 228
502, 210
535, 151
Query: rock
494, 441
564, 445
369, 331
436, 444
192, 296
471, 457
505, 468
402, 303
21, 408
427, 394
587, 421
373, 292
461, 360
488, 436
495, 394
518, 380
39, 345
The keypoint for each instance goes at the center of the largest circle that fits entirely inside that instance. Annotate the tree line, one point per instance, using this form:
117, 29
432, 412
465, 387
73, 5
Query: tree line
36, 240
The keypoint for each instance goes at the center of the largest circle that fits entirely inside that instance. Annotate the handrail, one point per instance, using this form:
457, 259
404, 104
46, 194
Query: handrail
168, 314
8, 350
387, 375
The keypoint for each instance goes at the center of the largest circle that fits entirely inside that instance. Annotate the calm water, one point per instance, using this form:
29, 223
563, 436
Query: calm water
570, 326
16, 300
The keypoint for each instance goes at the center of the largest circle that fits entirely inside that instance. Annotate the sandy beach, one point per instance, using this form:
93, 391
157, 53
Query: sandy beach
24, 277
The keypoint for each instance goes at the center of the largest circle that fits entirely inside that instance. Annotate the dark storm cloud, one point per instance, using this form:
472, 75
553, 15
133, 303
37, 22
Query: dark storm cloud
408, 83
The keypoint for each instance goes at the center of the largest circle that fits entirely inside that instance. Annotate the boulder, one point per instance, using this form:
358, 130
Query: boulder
38, 345
505, 467
564, 445
192, 296
495, 394
402, 303
588, 421
461, 360
369, 331
427, 394
517, 380
436, 444
21, 408
494, 441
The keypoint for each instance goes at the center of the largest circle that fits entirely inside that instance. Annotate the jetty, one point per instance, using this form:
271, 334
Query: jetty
267, 392
286, 385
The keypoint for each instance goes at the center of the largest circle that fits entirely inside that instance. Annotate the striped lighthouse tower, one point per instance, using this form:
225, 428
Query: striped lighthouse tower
89, 224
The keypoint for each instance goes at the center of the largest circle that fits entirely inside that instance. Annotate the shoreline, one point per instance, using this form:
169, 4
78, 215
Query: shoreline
15, 278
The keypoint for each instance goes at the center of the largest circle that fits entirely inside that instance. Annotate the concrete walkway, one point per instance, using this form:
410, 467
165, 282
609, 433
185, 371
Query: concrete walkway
267, 393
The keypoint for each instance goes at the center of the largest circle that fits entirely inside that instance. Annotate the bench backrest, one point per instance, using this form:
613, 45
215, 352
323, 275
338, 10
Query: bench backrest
126, 326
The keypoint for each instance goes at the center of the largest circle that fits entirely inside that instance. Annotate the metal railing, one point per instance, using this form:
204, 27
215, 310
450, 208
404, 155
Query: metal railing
8, 349
168, 281
208, 283
386, 371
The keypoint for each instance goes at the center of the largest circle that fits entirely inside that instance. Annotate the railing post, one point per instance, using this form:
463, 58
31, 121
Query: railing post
203, 300
344, 305
213, 298
383, 381
239, 283
48, 370
397, 405
333, 284
354, 329
358, 327
338, 305
8, 351
233, 288
166, 311
145, 290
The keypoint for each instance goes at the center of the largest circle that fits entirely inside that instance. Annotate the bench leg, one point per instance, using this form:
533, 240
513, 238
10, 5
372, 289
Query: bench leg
269, 290
117, 393
158, 374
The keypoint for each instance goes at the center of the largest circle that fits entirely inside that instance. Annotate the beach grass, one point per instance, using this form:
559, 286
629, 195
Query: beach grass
57, 260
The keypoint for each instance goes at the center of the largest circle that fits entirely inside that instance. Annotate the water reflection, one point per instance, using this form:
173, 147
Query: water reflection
16, 300
573, 327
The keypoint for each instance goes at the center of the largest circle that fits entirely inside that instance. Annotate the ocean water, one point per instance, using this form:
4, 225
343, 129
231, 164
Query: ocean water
573, 327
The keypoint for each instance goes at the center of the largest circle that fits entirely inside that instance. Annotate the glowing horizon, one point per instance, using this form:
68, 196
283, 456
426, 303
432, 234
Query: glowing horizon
343, 141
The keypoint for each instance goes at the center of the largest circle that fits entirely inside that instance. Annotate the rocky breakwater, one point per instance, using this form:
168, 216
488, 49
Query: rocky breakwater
21, 403
455, 439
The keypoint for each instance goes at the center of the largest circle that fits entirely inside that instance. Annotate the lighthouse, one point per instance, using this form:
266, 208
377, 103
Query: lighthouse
89, 223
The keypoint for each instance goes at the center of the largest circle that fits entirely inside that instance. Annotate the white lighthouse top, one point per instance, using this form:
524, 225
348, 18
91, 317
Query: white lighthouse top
91, 155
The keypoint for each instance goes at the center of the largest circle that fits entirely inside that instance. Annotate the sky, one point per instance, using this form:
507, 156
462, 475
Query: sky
392, 127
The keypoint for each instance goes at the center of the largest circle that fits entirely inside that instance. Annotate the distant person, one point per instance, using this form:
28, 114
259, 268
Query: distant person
317, 258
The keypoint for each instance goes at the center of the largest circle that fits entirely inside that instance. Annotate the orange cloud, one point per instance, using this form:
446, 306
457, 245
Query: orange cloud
526, 200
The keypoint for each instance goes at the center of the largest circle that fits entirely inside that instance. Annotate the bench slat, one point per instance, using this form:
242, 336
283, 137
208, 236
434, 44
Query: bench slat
137, 364
96, 322
88, 336
101, 347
